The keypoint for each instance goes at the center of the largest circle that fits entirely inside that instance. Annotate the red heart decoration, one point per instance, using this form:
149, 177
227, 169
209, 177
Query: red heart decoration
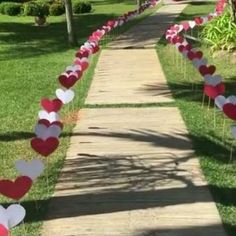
47, 123
68, 80
3, 230
17, 189
177, 39
214, 91
187, 47
96, 49
192, 55
207, 70
230, 110
198, 20
51, 105
45, 147
82, 53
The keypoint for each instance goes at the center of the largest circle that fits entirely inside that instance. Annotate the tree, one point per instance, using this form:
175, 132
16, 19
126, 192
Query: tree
70, 23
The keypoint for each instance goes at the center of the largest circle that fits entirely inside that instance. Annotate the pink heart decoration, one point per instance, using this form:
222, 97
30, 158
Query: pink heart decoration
83, 62
185, 25
198, 20
214, 91
51, 105
44, 147
17, 189
3, 230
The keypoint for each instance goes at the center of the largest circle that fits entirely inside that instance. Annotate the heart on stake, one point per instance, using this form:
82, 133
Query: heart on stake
207, 70
68, 80
220, 101
44, 132
194, 55
47, 123
13, 215
83, 62
17, 189
51, 116
230, 110
65, 96
32, 169
214, 91
198, 62
51, 105
45, 147
3, 230
212, 80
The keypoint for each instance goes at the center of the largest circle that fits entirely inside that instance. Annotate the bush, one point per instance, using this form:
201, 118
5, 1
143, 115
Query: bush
19, 1
56, 9
36, 9
81, 7
220, 33
10, 8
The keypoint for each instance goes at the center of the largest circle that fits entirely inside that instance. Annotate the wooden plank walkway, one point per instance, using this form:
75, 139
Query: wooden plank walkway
132, 171
128, 76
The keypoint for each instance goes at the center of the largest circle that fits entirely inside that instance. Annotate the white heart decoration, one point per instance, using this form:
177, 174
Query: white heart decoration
231, 99
199, 62
212, 80
12, 216
52, 116
220, 101
32, 169
205, 19
233, 131
73, 68
44, 132
65, 96
192, 24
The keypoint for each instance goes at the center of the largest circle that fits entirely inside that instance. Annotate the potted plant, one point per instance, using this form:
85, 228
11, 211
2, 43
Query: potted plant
40, 10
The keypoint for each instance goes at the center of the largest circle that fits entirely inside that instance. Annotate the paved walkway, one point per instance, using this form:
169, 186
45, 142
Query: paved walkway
131, 171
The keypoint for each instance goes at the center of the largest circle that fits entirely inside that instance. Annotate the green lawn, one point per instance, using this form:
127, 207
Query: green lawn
214, 153
31, 59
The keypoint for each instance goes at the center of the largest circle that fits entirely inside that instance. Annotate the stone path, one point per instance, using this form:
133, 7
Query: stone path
131, 171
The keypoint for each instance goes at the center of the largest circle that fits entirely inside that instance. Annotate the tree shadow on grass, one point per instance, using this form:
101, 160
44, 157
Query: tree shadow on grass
23, 40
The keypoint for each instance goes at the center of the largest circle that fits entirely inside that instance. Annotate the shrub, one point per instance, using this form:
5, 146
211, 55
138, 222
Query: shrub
36, 9
19, 1
220, 33
10, 8
81, 7
56, 9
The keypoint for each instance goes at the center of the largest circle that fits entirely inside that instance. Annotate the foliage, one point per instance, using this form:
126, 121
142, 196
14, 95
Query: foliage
56, 9
81, 7
19, 1
220, 33
36, 9
10, 8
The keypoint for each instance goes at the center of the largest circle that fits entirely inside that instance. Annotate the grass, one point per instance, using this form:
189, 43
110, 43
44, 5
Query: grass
211, 145
31, 59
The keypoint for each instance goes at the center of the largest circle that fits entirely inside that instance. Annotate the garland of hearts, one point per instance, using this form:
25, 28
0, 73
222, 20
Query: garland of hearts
49, 126
214, 87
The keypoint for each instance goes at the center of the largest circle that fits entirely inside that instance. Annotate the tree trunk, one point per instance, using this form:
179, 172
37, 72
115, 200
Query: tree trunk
139, 3
70, 23
233, 6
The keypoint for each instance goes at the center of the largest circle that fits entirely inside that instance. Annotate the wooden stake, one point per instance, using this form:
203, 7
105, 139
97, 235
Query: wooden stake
203, 99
